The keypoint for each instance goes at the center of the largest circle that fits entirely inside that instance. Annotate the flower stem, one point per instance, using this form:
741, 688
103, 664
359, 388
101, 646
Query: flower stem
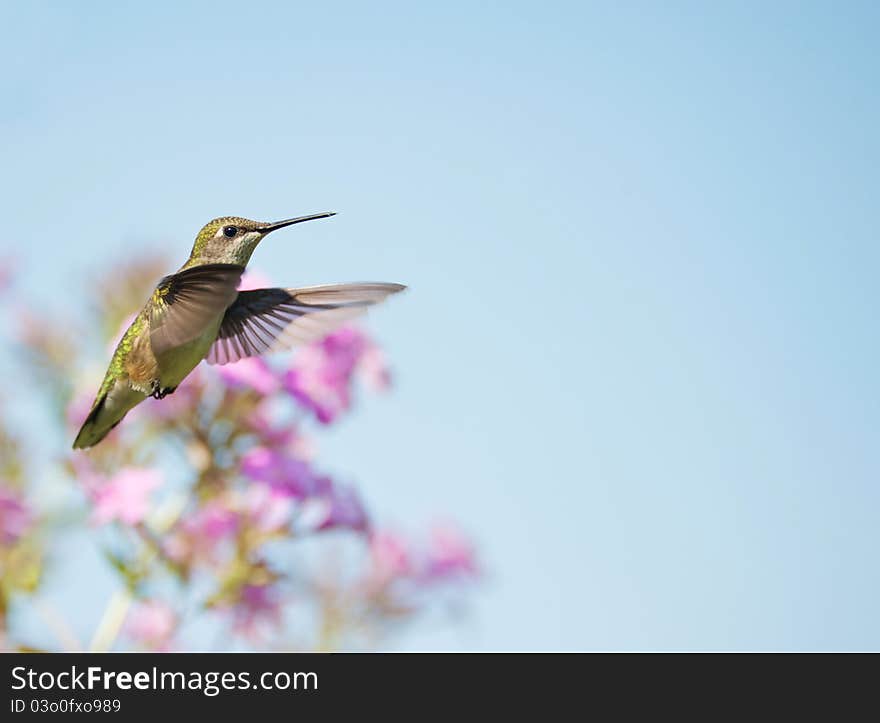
111, 621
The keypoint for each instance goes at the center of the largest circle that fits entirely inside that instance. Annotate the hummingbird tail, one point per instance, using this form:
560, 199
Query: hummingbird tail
91, 431
108, 411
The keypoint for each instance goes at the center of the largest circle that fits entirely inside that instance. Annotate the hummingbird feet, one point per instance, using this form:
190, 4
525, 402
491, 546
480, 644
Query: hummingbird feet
158, 392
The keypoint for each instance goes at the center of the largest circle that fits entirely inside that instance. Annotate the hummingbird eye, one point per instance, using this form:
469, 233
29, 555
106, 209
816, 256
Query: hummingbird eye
230, 231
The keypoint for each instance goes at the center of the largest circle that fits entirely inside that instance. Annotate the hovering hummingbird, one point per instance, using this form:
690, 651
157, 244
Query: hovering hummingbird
198, 313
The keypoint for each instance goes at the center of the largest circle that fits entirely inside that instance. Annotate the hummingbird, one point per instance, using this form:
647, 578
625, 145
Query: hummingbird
198, 313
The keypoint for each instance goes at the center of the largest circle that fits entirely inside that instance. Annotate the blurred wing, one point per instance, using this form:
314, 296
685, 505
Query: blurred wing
185, 304
272, 319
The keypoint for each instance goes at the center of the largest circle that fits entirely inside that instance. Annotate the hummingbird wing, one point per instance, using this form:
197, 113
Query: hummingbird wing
185, 304
272, 319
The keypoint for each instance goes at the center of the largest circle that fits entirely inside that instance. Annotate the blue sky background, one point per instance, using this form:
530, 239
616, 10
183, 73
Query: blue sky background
639, 355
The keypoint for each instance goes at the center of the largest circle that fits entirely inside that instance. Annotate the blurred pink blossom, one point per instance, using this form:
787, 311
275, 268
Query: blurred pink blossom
390, 558
450, 553
278, 435
257, 612
15, 518
373, 369
280, 470
125, 496
201, 533
214, 521
267, 508
337, 507
152, 624
250, 373
321, 375
86, 474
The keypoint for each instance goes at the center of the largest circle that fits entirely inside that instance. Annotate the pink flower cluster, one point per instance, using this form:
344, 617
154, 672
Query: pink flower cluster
15, 517
256, 486
256, 612
152, 624
321, 380
399, 564
124, 496
324, 504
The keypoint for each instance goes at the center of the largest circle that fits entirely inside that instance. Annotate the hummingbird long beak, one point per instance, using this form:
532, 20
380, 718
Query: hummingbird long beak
269, 227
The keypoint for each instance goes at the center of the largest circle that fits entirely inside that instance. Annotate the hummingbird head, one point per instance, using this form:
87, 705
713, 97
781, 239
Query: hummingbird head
232, 239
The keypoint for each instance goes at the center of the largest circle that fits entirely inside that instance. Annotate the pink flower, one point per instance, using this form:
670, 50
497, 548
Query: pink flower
86, 474
268, 509
15, 518
322, 372
213, 522
450, 554
256, 612
151, 623
336, 507
373, 369
281, 471
390, 556
202, 533
250, 373
283, 436
125, 496
271, 434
